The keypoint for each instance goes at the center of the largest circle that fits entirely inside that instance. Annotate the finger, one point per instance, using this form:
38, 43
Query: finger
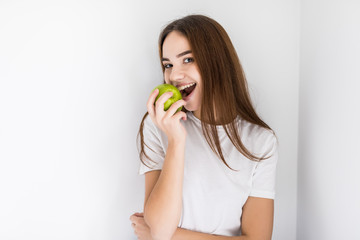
160, 102
180, 115
174, 107
139, 214
133, 218
151, 101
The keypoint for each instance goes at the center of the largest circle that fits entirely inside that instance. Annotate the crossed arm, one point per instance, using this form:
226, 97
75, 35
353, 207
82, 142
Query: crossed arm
256, 222
163, 189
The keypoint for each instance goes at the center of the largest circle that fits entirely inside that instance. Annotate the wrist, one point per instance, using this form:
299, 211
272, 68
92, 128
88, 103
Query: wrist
176, 141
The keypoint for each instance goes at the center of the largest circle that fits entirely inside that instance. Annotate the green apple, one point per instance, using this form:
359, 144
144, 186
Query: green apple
163, 88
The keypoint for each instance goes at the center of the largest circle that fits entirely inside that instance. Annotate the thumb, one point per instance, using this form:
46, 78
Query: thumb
139, 214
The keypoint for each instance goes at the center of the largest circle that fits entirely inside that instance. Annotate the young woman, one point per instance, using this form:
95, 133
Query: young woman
210, 169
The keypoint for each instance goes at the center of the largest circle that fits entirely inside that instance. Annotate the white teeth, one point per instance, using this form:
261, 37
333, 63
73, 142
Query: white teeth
185, 86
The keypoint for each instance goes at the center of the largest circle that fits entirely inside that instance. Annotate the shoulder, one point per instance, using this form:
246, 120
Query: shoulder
151, 132
149, 125
261, 140
150, 137
255, 131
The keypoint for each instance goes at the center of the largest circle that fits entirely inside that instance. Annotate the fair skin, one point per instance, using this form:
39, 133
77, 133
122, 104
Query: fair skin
181, 69
163, 189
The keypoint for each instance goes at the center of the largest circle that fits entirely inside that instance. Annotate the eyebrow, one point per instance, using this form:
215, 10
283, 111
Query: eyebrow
179, 55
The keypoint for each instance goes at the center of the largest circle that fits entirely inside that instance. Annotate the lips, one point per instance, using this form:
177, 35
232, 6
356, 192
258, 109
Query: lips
187, 89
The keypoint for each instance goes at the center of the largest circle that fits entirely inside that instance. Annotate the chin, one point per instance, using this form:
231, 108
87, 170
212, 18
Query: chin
190, 108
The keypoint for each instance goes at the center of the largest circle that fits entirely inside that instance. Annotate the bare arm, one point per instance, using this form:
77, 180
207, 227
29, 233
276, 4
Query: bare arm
182, 234
257, 218
163, 200
256, 223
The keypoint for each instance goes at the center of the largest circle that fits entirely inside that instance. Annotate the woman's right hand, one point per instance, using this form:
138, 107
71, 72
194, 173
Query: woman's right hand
168, 121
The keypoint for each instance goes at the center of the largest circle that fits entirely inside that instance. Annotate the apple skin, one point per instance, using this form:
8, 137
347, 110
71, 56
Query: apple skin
163, 88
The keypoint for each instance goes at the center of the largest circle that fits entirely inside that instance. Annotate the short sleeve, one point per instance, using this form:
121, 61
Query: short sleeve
153, 147
264, 176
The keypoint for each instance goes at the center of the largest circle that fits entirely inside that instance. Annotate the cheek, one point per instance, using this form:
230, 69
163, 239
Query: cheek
196, 74
166, 77
199, 95
200, 92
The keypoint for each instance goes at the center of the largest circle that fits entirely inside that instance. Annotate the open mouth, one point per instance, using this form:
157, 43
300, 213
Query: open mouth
186, 90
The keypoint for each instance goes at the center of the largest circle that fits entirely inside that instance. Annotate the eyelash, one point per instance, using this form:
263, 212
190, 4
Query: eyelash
190, 59
186, 60
168, 65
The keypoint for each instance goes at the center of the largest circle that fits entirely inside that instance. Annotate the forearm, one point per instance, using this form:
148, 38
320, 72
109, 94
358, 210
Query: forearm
162, 210
183, 234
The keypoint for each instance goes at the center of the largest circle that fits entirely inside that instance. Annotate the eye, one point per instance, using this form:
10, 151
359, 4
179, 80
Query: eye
188, 60
167, 65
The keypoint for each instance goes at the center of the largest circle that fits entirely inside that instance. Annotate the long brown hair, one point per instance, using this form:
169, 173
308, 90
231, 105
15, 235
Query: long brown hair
225, 91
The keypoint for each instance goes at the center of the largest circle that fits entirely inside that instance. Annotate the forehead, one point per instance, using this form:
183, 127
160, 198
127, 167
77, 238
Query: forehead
174, 44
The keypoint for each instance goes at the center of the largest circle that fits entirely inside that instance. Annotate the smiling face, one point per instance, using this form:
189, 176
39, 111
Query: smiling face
181, 70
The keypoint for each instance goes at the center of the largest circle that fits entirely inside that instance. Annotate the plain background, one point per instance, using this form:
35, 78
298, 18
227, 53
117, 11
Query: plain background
329, 130
75, 77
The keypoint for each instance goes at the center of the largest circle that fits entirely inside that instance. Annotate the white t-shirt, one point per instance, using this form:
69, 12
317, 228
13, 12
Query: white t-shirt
213, 194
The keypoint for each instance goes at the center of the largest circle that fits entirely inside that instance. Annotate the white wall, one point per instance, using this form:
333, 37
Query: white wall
74, 79
329, 159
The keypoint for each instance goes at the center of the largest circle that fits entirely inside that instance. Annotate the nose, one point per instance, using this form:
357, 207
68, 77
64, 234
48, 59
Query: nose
177, 74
